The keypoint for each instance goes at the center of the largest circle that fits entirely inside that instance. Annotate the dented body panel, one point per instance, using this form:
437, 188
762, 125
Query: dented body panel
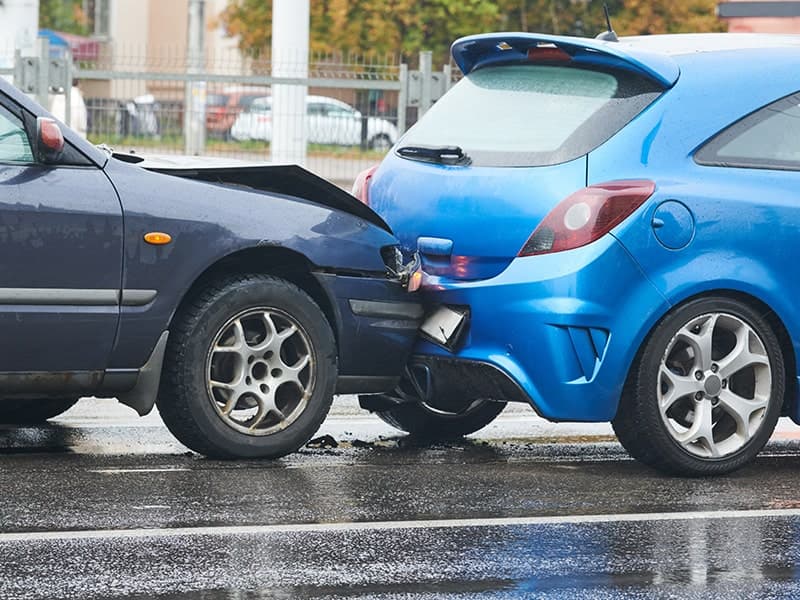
87, 302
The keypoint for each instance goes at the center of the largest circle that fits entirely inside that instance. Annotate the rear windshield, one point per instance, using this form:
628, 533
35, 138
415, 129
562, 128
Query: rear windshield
532, 115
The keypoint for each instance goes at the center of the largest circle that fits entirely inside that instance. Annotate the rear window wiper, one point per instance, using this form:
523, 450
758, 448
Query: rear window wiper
446, 155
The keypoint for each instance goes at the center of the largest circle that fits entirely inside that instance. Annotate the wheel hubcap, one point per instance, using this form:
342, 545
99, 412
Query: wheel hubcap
260, 371
714, 385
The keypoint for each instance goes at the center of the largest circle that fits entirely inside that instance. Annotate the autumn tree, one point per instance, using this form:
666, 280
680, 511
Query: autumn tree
63, 15
408, 26
369, 26
566, 17
641, 17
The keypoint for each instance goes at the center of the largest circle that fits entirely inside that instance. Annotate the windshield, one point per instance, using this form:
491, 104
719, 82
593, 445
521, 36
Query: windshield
532, 115
261, 105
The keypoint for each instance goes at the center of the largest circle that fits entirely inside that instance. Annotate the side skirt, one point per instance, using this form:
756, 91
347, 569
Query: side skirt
136, 388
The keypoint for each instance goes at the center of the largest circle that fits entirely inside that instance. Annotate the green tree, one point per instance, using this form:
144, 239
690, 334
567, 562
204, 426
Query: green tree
565, 17
641, 17
63, 15
251, 21
408, 26
369, 26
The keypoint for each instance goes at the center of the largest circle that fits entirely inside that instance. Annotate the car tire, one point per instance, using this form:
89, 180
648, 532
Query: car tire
380, 142
421, 420
31, 411
250, 369
716, 367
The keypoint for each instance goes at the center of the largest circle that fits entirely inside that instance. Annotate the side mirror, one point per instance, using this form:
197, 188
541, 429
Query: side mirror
49, 140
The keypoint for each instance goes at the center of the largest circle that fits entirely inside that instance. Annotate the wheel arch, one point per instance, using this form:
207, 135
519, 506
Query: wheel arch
279, 261
770, 315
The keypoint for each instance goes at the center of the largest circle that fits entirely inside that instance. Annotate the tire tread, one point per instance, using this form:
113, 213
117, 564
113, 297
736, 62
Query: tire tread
638, 424
175, 409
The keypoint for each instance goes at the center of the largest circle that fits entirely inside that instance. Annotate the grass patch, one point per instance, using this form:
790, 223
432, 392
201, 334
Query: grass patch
174, 143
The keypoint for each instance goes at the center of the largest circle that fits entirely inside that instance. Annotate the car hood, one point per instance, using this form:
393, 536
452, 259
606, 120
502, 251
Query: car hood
289, 180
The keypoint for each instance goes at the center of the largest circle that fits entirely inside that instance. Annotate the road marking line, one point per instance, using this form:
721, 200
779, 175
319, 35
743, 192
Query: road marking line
112, 471
223, 530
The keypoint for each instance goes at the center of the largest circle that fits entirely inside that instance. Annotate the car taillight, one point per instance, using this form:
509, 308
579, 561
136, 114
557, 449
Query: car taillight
361, 184
548, 54
587, 215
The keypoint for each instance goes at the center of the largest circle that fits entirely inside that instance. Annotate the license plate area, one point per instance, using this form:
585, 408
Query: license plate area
446, 325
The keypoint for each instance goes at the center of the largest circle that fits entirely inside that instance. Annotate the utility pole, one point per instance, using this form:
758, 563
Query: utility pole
290, 35
194, 106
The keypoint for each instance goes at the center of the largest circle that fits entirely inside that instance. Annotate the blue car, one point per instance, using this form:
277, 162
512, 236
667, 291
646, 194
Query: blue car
608, 233
238, 298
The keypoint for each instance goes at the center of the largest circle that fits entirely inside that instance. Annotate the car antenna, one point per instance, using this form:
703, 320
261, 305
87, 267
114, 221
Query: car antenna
609, 35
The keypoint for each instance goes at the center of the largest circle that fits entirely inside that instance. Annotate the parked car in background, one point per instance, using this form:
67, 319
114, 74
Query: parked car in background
239, 298
223, 107
328, 121
142, 116
609, 233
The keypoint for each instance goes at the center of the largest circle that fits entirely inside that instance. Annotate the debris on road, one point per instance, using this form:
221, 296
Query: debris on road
323, 442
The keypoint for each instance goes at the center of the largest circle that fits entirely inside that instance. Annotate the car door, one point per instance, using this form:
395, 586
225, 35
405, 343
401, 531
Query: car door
318, 125
345, 125
260, 119
60, 256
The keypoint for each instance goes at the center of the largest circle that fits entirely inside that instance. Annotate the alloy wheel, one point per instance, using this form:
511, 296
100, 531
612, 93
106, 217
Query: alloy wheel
260, 371
714, 385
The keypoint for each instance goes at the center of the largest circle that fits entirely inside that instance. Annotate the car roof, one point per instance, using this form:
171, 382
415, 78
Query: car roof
679, 44
309, 99
327, 100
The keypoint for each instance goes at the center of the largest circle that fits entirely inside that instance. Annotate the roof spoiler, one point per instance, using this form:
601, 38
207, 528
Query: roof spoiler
476, 51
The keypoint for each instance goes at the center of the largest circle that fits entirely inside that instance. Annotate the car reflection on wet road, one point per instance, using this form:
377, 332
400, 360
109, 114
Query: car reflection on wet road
112, 507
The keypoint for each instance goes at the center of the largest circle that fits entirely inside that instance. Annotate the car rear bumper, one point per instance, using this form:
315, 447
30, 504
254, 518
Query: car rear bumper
564, 327
376, 325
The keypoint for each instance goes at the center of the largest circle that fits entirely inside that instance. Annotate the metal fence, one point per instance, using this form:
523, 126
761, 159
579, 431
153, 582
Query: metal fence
153, 101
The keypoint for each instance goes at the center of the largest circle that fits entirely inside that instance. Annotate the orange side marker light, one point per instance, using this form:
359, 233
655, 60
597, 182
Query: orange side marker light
157, 238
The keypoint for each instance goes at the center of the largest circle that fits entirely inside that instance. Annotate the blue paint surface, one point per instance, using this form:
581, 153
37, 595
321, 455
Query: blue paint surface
706, 229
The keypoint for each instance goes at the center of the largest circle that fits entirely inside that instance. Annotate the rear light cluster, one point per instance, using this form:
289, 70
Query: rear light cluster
361, 184
587, 215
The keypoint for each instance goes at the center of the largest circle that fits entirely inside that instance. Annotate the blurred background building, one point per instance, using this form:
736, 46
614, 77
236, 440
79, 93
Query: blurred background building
782, 16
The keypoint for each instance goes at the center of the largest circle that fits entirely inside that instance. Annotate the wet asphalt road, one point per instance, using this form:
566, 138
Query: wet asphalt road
100, 504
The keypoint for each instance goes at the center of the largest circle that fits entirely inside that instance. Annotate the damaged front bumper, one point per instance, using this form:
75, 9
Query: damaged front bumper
376, 319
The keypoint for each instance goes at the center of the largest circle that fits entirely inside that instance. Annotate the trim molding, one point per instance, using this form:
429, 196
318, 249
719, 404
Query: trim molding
75, 297
138, 297
387, 310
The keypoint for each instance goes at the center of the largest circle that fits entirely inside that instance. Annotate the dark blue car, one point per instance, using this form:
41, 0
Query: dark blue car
239, 299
